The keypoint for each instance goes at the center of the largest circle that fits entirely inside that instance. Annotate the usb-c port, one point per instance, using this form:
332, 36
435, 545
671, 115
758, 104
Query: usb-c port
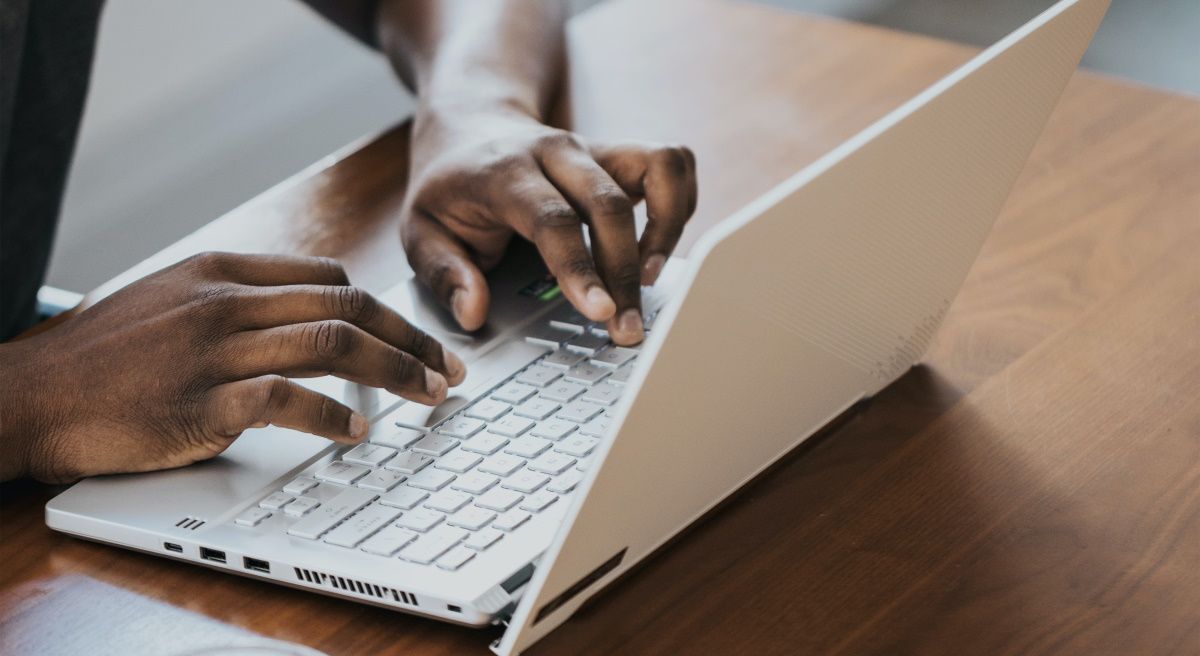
213, 555
171, 546
256, 565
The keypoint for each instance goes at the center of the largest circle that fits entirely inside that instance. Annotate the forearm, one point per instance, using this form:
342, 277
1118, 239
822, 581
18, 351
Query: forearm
464, 55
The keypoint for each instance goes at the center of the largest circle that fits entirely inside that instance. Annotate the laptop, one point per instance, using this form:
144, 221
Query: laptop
564, 460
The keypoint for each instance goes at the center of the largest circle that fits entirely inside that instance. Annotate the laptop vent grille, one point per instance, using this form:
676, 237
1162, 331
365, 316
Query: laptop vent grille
190, 523
358, 587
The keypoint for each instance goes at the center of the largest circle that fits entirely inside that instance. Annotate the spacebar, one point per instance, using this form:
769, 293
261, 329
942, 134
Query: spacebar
328, 514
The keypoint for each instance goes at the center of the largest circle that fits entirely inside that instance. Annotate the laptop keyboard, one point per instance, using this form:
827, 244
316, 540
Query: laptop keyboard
440, 496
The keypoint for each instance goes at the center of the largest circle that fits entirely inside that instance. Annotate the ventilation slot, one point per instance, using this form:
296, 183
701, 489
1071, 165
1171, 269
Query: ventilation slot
357, 587
190, 523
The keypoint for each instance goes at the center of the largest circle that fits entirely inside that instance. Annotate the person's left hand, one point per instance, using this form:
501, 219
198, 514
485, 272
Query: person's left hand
477, 178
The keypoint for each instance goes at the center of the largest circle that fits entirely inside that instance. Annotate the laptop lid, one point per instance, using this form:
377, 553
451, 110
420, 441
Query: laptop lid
816, 295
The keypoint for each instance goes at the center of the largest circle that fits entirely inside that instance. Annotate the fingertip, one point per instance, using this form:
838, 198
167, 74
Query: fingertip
652, 269
627, 329
598, 305
469, 308
456, 370
435, 385
359, 427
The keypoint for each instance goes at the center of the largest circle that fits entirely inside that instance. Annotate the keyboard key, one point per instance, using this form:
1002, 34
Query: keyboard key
527, 447
331, 513
539, 501
381, 480
368, 455
579, 411
408, 462
252, 516
299, 485
461, 427
565, 317
564, 483
301, 506
553, 429
485, 443
398, 438
543, 334
455, 558
525, 481
587, 373
577, 445
448, 501
562, 359
538, 408
587, 343
404, 498
276, 501
498, 499
421, 519
481, 540
472, 518
388, 541
436, 445
552, 463
488, 410
457, 461
563, 391
428, 547
614, 357
510, 520
514, 393
621, 376
430, 479
511, 426
501, 464
539, 375
361, 526
342, 473
605, 393
598, 427
474, 482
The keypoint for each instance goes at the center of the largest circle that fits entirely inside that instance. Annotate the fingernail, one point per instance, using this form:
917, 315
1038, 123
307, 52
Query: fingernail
458, 304
358, 426
652, 268
435, 384
631, 325
454, 367
600, 303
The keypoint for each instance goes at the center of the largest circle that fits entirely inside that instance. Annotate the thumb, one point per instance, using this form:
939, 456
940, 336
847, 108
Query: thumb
445, 266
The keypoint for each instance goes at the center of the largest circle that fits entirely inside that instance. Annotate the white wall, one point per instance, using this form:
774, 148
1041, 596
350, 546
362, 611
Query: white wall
198, 106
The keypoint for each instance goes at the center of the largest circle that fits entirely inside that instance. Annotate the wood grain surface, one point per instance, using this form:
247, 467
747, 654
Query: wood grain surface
1033, 487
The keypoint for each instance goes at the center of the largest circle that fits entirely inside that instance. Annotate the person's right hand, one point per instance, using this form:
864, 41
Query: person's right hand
171, 369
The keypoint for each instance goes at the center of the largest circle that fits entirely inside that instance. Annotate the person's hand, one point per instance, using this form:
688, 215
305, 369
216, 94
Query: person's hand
171, 369
478, 178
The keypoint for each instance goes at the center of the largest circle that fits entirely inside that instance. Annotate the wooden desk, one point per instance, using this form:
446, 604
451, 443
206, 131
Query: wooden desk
1034, 487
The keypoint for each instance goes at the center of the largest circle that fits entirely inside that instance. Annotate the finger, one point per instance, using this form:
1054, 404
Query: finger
609, 215
335, 348
542, 215
666, 177
444, 265
270, 307
233, 407
269, 269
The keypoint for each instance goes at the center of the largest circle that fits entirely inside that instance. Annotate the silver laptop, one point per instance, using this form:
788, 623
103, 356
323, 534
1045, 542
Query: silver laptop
564, 460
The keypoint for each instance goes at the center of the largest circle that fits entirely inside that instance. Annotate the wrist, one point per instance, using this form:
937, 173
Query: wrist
28, 424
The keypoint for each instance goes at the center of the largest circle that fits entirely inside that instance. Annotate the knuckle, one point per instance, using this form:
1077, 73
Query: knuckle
625, 277
353, 304
210, 262
555, 139
672, 160
580, 265
420, 344
331, 340
611, 201
555, 214
332, 269
406, 367
327, 412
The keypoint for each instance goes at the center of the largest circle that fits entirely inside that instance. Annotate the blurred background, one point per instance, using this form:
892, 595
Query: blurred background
196, 107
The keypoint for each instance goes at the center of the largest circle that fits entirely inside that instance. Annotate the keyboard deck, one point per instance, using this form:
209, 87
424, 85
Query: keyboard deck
439, 496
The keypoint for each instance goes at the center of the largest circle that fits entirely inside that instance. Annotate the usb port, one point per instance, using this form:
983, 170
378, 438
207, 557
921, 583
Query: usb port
212, 554
256, 565
171, 546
